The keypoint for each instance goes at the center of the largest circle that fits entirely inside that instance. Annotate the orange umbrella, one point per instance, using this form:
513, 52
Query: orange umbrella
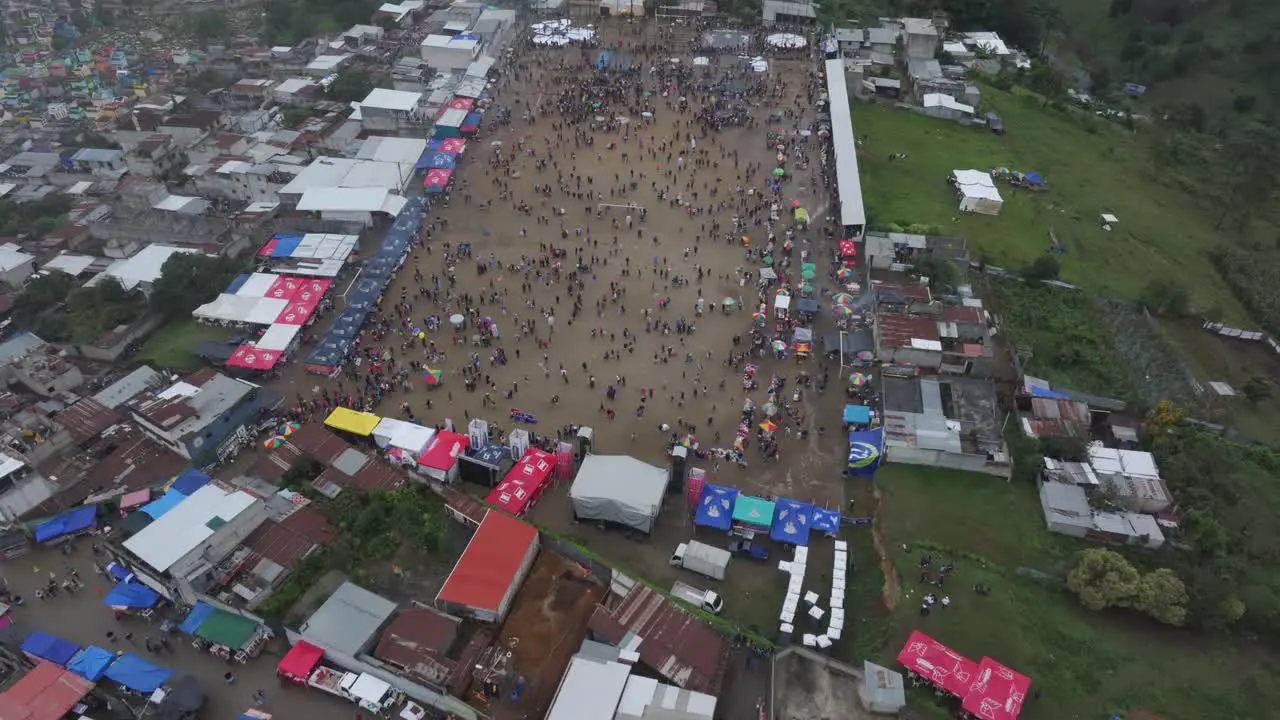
768, 426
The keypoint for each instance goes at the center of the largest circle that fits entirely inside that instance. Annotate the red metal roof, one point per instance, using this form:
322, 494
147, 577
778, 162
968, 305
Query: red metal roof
489, 565
86, 418
673, 643
963, 315
897, 331
46, 693
417, 641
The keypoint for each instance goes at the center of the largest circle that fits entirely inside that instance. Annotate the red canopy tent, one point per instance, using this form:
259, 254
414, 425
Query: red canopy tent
284, 287
453, 145
848, 248
297, 664
524, 483
461, 103
247, 356
996, 692
945, 668
46, 693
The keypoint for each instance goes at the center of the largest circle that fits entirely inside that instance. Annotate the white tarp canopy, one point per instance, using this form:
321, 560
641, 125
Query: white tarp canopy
370, 689
848, 182
257, 285
278, 337
401, 434
978, 192
227, 308
789, 41
618, 489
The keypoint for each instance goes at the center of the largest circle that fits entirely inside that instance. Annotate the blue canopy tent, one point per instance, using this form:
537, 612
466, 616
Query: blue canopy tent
137, 674
715, 507
790, 521
163, 504
189, 482
857, 415
131, 595
437, 159
824, 521
91, 663
68, 523
119, 573
196, 618
348, 321
807, 305
49, 647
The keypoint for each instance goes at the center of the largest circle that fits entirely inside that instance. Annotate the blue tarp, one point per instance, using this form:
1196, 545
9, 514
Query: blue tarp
137, 674
472, 120
331, 352
237, 283
807, 305
189, 482
163, 504
347, 322
131, 595
715, 507
824, 521
91, 662
1044, 392
118, 572
196, 618
50, 647
435, 159
286, 245
857, 415
790, 521
68, 523
866, 450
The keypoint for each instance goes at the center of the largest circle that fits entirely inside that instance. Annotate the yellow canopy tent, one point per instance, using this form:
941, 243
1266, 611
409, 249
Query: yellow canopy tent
352, 421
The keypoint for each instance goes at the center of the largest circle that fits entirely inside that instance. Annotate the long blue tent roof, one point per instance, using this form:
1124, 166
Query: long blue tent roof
72, 521
91, 663
790, 522
50, 647
163, 504
137, 674
715, 507
824, 520
131, 595
196, 618
190, 481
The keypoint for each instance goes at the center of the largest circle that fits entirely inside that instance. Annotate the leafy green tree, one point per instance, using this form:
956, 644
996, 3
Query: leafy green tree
1103, 578
942, 273
1164, 296
1162, 595
1256, 389
351, 86
208, 26
188, 280
1045, 267
41, 294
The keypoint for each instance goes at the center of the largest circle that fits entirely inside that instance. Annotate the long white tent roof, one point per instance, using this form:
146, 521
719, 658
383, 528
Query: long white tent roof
848, 182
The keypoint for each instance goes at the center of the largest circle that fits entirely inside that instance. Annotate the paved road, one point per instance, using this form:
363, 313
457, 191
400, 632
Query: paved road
83, 619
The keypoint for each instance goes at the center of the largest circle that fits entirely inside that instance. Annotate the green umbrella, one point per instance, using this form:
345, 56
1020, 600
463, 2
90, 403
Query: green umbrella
808, 266
779, 171
806, 288
767, 259
807, 274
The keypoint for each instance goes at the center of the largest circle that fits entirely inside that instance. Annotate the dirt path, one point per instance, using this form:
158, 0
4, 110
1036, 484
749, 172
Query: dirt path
892, 589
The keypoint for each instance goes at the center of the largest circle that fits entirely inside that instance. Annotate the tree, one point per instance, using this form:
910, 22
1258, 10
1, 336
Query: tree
295, 116
1163, 296
1256, 389
208, 25
1045, 267
351, 86
1104, 497
188, 280
1103, 578
1068, 449
1249, 181
1163, 596
41, 294
941, 273
1047, 81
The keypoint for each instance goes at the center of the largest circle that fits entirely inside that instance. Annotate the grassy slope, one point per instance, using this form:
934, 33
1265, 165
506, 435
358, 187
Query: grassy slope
1086, 665
170, 347
1161, 231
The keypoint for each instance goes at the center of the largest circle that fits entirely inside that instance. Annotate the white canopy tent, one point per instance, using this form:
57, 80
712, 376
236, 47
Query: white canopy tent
618, 489
401, 434
978, 193
278, 337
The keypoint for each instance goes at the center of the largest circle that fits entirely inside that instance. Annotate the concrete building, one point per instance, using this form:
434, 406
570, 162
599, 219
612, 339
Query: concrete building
102, 162
393, 111
401, 14
787, 12
945, 107
15, 265
240, 180
448, 53
22, 488
1133, 476
178, 554
198, 416
1067, 512
908, 340
963, 433
921, 37
297, 91
154, 157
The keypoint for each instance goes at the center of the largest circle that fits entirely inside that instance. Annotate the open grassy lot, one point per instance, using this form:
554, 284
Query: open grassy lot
172, 347
1091, 167
1084, 664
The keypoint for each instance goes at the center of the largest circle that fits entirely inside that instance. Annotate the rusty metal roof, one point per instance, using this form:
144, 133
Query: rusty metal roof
418, 641
86, 418
672, 642
897, 331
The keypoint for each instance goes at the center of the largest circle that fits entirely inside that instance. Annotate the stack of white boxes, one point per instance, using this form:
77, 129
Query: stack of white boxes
835, 621
795, 572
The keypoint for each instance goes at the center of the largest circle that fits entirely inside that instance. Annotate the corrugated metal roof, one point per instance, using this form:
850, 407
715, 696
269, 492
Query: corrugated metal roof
897, 331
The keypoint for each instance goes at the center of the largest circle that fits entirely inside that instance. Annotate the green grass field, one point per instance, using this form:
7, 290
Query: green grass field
171, 347
1084, 664
1091, 166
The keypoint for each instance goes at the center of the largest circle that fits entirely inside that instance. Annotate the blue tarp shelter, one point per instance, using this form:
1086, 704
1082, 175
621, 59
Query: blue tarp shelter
189, 482
91, 663
790, 522
163, 504
1044, 392
50, 647
68, 523
131, 595
807, 305
824, 521
286, 245
137, 674
348, 321
857, 415
119, 573
196, 618
437, 160
715, 507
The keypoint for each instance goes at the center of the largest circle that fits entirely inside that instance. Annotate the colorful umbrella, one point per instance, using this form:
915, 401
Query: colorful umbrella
768, 426
779, 345
759, 318
843, 311
845, 274
795, 203
273, 442
858, 379
729, 301
769, 409
432, 376
290, 428
843, 299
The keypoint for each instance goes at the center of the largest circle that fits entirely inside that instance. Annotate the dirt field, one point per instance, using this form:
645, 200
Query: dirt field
544, 628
